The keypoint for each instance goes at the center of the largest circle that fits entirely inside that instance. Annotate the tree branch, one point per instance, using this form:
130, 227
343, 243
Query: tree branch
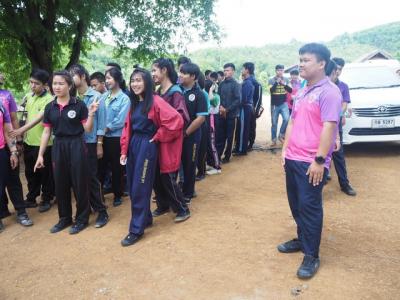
76, 46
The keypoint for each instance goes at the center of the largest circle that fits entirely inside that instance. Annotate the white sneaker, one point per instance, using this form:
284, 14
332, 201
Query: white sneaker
214, 171
208, 168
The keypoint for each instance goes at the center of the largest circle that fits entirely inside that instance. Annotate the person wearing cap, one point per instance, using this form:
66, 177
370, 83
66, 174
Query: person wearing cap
279, 88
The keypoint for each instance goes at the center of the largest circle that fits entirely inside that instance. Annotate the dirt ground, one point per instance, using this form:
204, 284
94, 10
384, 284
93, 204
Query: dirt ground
227, 249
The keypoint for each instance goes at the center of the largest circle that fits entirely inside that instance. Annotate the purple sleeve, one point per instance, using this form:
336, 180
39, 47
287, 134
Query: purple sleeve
6, 116
13, 104
330, 103
345, 93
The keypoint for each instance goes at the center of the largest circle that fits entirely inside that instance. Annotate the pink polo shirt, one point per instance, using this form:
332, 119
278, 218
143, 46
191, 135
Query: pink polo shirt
313, 106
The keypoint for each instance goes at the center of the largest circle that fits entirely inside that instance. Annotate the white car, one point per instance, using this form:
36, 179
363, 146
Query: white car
374, 112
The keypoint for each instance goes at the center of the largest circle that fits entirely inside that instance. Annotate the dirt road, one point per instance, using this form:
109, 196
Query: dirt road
227, 250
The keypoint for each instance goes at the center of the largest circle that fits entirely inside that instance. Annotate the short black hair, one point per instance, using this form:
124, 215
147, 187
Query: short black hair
294, 72
230, 65
339, 61
183, 60
80, 70
99, 76
39, 74
279, 67
213, 75
319, 50
221, 73
207, 72
332, 66
249, 66
114, 65
191, 69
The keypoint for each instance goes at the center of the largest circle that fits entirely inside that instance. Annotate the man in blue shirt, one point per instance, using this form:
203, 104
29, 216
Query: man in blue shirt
94, 140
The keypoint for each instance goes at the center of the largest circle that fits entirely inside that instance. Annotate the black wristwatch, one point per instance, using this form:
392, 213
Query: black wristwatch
319, 160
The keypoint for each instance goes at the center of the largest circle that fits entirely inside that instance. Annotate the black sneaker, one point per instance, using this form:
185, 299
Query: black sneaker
30, 204
24, 220
102, 219
329, 177
308, 267
182, 216
131, 239
117, 202
188, 200
61, 225
290, 246
225, 160
44, 206
159, 212
348, 190
1, 226
200, 177
77, 227
194, 194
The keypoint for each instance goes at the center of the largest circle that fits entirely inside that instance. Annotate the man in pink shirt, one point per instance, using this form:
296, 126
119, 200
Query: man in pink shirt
307, 152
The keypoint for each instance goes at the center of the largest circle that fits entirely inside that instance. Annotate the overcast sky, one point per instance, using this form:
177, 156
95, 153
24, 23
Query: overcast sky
260, 22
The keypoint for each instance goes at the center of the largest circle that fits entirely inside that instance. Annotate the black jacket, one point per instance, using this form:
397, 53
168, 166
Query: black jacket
230, 93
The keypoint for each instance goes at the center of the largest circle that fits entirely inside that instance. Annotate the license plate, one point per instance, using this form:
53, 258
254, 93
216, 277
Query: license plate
382, 123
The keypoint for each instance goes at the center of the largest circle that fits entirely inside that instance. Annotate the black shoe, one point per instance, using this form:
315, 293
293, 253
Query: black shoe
328, 177
159, 212
188, 200
308, 267
348, 190
30, 204
194, 194
250, 148
225, 160
239, 154
61, 225
290, 246
44, 206
77, 227
1, 226
182, 216
130, 239
102, 219
201, 177
117, 202
24, 220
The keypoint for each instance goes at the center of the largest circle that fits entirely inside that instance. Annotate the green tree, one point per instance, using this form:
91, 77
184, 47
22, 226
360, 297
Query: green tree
52, 34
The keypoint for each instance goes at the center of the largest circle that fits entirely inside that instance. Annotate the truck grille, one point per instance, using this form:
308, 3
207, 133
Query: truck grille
380, 111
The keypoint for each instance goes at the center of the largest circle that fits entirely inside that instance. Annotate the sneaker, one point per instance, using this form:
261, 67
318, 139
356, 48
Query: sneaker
159, 212
182, 216
201, 177
102, 219
131, 239
24, 220
117, 202
214, 171
44, 206
290, 246
30, 204
1, 226
239, 154
348, 190
77, 227
329, 177
225, 160
208, 168
188, 201
194, 194
308, 267
154, 199
61, 225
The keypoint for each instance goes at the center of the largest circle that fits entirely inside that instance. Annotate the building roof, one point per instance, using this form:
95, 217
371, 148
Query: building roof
376, 54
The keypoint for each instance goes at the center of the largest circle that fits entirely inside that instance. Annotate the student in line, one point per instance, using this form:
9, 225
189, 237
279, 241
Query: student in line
67, 118
153, 130
197, 107
117, 106
5, 159
168, 193
93, 140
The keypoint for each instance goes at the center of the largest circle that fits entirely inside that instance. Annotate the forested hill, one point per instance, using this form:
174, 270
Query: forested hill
348, 46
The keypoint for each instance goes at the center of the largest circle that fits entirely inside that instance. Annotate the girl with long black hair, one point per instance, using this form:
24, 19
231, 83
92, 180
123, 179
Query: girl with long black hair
168, 194
153, 130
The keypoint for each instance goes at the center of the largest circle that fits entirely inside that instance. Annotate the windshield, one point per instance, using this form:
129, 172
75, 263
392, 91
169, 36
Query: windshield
370, 77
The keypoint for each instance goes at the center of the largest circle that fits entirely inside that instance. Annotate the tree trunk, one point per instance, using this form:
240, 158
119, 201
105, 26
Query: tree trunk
77, 45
